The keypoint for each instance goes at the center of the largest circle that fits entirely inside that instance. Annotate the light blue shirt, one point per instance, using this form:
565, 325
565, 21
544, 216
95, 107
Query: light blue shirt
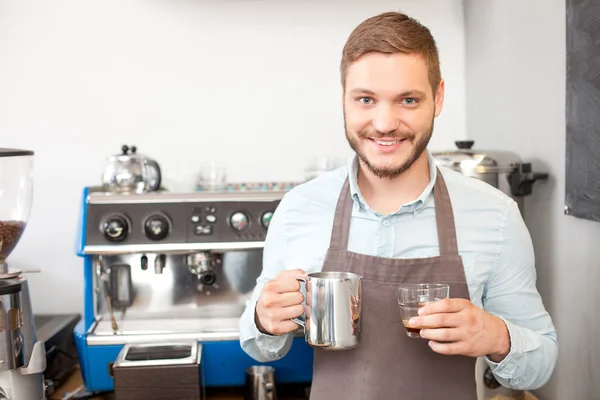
493, 241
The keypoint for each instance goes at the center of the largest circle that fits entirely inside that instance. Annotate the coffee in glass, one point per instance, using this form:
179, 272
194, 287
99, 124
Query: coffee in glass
413, 296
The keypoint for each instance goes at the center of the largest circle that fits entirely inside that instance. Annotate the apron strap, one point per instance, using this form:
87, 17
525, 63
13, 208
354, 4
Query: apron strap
341, 219
444, 217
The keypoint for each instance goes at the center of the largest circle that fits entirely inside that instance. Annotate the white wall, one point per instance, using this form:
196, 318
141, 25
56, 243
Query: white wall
252, 83
516, 68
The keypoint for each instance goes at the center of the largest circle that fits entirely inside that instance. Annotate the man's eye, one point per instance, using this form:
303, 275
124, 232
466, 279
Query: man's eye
410, 101
365, 100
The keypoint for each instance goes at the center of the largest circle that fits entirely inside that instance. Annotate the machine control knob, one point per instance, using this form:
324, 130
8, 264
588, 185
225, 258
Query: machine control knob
157, 226
239, 221
265, 220
115, 228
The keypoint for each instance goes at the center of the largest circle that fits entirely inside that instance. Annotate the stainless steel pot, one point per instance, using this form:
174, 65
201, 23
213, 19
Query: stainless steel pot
131, 172
502, 169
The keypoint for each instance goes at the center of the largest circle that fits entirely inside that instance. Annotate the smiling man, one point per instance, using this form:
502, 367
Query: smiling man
392, 216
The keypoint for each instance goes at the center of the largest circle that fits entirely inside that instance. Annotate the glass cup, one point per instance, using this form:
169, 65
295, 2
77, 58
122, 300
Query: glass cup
212, 176
413, 296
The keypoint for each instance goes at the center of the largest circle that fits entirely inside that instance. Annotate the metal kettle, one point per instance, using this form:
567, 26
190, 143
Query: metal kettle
130, 172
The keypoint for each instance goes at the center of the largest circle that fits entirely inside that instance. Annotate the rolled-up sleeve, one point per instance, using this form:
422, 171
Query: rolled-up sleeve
512, 295
256, 344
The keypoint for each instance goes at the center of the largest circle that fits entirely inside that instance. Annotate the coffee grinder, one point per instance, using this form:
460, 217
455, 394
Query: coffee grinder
22, 357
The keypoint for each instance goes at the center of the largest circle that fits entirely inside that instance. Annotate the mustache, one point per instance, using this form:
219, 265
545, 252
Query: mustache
375, 134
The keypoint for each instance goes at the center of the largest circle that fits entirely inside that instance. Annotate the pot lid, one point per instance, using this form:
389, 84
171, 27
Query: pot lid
127, 154
480, 161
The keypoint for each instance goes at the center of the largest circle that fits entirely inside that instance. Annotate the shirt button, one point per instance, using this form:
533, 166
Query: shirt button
386, 222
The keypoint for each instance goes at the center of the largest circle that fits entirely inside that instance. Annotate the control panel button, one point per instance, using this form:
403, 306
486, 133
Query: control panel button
265, 220
211, 218
157, 226
195, 219
203, 230
115, 228
239, 221
211, 209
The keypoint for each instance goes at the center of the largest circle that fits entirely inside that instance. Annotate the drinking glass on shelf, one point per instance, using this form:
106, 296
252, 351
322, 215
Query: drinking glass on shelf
413, 296
212, 176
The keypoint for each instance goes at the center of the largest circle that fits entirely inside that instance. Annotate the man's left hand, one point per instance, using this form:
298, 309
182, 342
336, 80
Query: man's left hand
458, 327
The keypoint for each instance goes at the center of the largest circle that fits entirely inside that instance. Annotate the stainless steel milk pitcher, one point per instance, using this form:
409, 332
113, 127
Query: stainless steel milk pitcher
333, 310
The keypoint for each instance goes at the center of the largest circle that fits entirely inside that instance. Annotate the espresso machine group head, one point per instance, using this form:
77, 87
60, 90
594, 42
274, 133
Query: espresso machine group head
22, 357
173, 269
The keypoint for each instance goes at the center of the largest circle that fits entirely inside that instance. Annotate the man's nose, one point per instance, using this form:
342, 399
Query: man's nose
385, 120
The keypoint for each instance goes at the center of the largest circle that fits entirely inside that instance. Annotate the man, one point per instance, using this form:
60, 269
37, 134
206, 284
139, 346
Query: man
399, 219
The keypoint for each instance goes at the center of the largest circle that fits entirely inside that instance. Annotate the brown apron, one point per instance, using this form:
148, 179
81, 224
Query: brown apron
387, 364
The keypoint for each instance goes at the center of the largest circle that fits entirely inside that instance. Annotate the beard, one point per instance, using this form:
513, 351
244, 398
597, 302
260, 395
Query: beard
418, 142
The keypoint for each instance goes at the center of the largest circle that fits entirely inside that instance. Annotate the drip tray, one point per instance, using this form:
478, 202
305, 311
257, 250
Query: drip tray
163, 370
141, 331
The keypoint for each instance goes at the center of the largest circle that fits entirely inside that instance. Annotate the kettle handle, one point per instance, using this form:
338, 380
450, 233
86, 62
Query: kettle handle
297, 320
154, 164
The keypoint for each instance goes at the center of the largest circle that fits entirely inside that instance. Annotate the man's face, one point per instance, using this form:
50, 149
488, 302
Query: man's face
389, 109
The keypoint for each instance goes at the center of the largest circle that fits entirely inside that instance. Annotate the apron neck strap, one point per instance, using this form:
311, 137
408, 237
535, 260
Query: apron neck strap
443, 215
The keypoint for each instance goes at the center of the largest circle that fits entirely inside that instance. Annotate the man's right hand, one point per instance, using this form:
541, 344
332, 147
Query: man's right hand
280, 300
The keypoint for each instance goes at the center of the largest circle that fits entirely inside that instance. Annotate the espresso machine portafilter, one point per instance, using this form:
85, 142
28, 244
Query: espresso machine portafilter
22, 357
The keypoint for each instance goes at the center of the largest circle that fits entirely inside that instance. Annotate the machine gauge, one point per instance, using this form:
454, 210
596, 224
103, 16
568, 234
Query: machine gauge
157, 226
266, 219
239, 221
115, 228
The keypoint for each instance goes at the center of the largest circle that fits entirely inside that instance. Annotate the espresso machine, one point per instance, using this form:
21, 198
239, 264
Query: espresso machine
22, 357
166, 278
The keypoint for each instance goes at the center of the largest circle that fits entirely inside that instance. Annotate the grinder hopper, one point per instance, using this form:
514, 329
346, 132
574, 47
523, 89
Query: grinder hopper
22, 357
16, 194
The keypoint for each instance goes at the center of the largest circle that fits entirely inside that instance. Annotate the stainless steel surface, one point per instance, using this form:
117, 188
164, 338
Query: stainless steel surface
100, 197
492, 167
333, 310
474, 162
177, 292
153, 330
162, 353
12, 354
503, 170
170, 248
260, 383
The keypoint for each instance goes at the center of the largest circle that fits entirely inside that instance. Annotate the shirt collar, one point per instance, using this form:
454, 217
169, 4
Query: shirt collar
414, 206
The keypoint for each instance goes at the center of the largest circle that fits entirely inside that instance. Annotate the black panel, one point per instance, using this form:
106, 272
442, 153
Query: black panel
583, 109
198, 222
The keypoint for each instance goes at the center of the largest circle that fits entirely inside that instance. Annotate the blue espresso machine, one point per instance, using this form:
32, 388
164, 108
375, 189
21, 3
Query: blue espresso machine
165, 267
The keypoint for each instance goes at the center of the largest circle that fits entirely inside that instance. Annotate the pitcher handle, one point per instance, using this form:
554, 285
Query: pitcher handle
301, 279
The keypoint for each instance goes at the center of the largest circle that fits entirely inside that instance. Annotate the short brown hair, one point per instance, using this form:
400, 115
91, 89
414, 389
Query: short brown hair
392, 32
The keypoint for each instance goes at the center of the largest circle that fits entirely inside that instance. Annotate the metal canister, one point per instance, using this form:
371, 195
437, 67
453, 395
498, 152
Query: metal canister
11, 323
260, 383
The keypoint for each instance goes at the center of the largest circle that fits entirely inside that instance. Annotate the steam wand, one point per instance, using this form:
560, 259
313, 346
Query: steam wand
107, 295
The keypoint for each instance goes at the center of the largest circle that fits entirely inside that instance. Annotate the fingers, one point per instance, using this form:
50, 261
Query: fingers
437, 321
282, 285
450, 348
443, 334
273, 299
445, 306
284, 327
291, 273
280, 301
277, 321
284, 313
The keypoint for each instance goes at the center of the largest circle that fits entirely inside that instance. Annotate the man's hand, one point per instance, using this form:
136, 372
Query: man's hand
457, 326
280, 300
